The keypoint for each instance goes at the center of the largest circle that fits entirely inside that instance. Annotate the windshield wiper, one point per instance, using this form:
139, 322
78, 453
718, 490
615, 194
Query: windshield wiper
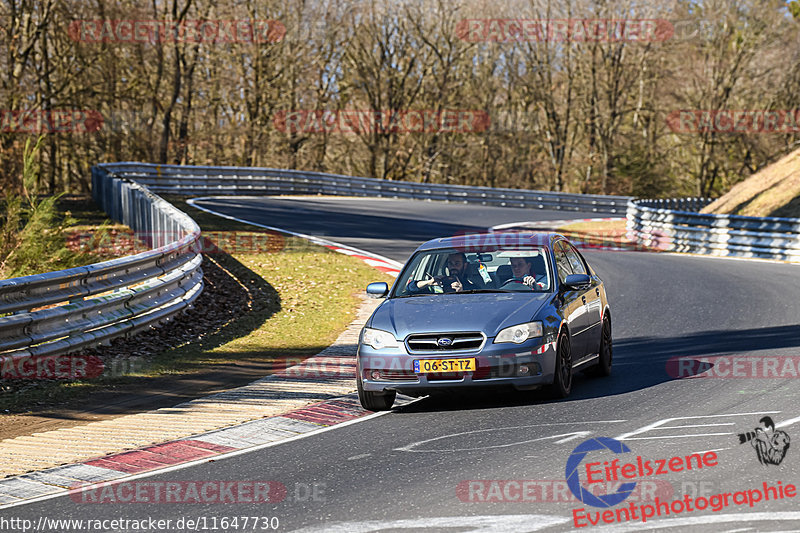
452, 292
483, 290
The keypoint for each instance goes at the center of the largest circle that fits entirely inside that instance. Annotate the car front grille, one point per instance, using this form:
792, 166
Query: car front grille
444, 342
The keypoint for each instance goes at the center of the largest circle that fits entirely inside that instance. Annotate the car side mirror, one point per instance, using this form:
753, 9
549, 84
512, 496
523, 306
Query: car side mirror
575, 281
378, 289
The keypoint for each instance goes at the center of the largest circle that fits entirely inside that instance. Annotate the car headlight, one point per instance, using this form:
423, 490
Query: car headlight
520, 333
378, 339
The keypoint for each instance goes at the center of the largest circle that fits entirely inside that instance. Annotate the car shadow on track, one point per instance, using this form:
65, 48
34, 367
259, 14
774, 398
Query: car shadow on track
639, 363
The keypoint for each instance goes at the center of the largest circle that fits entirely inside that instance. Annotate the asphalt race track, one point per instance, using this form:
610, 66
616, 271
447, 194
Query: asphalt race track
433, 464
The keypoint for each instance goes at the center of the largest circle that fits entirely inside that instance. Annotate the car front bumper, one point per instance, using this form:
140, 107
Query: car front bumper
522, 366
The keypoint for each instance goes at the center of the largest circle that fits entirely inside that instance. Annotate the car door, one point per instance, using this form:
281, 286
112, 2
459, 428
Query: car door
573, 308
591, 300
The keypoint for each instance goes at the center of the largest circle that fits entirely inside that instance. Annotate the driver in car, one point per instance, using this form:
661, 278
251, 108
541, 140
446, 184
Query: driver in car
458, 280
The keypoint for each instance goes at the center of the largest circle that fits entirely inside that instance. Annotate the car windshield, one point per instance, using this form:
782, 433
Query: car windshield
497, 269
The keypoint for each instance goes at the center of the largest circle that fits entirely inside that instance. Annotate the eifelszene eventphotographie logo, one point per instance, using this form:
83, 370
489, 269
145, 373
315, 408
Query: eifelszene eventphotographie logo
575, 461
770, 444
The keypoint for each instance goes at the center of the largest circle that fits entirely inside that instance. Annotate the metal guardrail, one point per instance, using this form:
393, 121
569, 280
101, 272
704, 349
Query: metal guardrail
62, 312
238, 180
675, 225
66, 311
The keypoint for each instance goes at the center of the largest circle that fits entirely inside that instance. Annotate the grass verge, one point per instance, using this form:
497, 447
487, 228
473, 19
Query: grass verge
300, 297
598, 234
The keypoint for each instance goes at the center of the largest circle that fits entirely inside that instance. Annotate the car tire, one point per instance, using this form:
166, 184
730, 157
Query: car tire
603, 366
375, 401
562, 377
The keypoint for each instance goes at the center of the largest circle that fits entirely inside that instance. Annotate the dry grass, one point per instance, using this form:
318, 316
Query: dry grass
317, 293
610, 227
772, 191
599, 235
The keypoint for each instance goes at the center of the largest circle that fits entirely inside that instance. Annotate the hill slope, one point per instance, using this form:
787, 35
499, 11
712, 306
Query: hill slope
773, 191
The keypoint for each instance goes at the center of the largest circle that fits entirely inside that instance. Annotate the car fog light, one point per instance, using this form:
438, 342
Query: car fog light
375, 374
523, 370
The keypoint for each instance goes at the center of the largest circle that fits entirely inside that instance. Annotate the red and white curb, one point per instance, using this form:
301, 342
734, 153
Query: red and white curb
384, 265
549, 224
208, 446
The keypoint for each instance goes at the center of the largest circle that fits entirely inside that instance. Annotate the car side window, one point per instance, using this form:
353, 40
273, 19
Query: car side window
574, 260
422, 268
562, 262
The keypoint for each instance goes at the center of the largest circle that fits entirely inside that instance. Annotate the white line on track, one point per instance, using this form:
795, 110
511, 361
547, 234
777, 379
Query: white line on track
696, 425
317, 240
685, 522
575, 435
701, 452
466, 524
788, 422
677, 436
568, 436
360, 456
659, 423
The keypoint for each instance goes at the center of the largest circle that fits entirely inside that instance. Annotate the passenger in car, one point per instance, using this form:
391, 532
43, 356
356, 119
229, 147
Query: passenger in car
522, 271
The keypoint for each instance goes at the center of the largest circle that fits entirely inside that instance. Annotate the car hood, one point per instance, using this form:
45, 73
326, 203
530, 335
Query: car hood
442, 313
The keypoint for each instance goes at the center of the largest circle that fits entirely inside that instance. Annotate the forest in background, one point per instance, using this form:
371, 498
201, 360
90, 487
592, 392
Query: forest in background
589, 116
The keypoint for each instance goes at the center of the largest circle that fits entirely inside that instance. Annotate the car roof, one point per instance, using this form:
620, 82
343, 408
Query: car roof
477, 240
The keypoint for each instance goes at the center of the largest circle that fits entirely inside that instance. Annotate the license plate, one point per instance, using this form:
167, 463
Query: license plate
422, 366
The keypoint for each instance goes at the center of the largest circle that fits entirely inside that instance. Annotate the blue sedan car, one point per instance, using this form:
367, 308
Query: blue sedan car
498, 309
